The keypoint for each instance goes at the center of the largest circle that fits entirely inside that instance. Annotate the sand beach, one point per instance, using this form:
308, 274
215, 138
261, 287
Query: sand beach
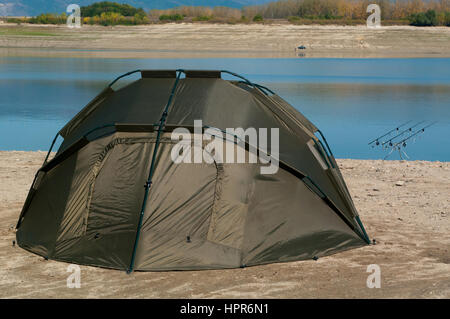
197, 40
405, 206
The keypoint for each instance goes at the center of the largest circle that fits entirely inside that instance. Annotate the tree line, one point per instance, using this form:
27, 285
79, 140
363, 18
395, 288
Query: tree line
413, 12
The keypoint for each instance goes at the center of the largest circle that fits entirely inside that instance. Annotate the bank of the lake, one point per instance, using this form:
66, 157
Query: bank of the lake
194, 40
411, 225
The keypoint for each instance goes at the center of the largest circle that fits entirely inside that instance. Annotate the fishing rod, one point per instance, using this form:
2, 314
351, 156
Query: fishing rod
393, 130
403, 142
401, 133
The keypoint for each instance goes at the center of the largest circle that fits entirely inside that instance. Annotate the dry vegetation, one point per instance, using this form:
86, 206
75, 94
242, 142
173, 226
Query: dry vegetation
305, 11
343, 12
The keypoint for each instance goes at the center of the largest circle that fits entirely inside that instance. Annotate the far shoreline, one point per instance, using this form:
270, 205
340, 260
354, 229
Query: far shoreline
197, 40
43, 153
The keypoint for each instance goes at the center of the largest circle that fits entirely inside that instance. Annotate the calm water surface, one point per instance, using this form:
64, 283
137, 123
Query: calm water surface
351, 100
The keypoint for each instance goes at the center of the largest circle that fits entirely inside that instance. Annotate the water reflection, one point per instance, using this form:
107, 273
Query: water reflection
351, 100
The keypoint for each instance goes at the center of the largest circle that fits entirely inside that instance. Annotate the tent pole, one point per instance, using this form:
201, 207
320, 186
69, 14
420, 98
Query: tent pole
326, 143
51, 148
238, 76
122, 76
148, 184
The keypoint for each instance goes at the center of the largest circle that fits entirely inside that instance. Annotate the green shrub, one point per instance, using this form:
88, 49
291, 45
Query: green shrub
258, 18
112, 18
171, 17
424, 19
447, 19
140, 19
96, 9
48, 18
15, 20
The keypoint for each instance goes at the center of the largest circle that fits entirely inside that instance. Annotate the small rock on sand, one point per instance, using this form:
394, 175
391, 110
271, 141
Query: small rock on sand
399, 183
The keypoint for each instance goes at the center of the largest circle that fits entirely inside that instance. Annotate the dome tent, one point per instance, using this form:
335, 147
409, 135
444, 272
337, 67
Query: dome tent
113, 197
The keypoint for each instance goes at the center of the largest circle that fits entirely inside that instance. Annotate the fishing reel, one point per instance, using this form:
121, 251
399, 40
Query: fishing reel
390, 143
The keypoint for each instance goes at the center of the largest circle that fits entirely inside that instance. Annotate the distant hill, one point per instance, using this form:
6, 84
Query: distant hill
35, 7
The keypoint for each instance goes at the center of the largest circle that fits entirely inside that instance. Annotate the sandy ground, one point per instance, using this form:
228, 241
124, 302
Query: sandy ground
411, 225
223, 40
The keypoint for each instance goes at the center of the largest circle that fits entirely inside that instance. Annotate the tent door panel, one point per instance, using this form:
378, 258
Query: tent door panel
118, 188
116, 195
178, 213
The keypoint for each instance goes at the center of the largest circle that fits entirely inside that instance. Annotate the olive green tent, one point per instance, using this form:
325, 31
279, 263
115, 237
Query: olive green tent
113, 196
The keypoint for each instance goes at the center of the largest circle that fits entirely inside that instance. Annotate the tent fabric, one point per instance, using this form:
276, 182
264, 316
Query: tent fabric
84, 206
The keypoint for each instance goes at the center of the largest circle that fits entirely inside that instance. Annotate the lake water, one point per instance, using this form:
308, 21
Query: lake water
351, 100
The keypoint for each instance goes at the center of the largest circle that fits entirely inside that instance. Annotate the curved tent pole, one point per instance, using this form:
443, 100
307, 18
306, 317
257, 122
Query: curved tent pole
99, 128
326, 143
329, 153
263, 88
122, 76
324, 154
238, 76
246, 81
148, 184
51, 148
